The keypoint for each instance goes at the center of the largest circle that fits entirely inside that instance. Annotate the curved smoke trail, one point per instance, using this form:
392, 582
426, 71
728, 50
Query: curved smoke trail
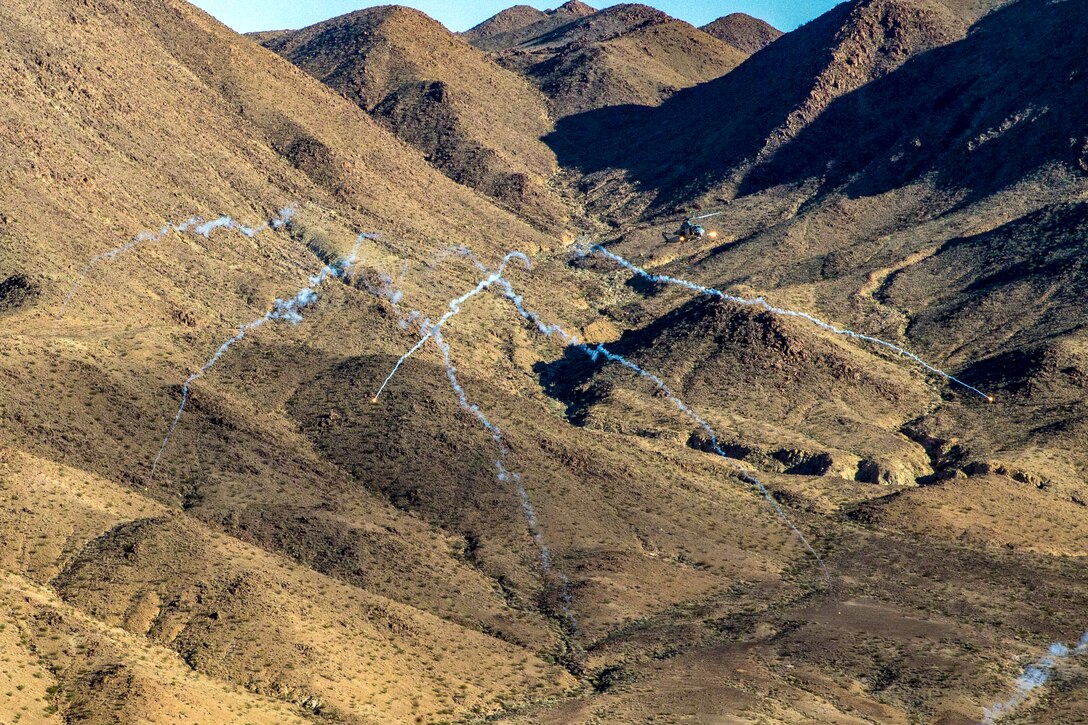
454, 308
433, 331
595, 352
197, 225
764, 305
1034, 677
289, 310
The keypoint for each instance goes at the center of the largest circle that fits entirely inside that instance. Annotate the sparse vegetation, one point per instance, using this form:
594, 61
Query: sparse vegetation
304, 555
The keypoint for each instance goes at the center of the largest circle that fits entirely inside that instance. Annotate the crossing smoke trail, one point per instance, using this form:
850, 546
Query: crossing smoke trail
197, 225
433, 331
289, 311
504, 474
595, 353
763, 304
1034, 677
454, 308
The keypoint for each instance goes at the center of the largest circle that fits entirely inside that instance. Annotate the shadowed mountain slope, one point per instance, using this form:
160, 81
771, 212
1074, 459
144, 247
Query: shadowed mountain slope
522, 24
967, 129
621, 55
478, 123
742, 119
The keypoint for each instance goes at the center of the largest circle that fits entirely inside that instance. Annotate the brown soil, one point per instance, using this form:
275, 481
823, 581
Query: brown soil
625, 54
912, 169
521, 24
475, 121
743, 32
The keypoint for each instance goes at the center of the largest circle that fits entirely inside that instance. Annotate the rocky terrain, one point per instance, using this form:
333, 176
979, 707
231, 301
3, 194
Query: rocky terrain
743, 32
722, 514
625, 54
475, 121
522, 23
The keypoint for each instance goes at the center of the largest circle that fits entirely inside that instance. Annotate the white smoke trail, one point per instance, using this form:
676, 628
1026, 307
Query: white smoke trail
433, 331
459, 250
764, 305
197, 225
596, 352
289, 311
454, 309
504, 474
1034, 677
385, 289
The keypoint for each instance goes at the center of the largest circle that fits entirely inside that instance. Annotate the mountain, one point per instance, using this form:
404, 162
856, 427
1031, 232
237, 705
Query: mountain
844, 482
865, 166
266, 37
745, 116
913, 224
743, 32
478, 123
522, 23
625, 54
986, 134
139, 603
857, 206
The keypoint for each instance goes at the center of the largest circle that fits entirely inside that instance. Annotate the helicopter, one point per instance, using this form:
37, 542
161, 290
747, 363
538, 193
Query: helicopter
690, 230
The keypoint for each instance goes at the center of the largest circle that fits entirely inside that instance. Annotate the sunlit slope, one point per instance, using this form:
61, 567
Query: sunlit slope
477, 122
155, 113
303, 551
625, 54
159, 113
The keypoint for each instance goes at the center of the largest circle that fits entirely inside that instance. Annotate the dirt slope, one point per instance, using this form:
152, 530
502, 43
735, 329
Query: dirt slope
743, 32
521, 24
625, 54
742, 119
303, 554
979, 132
916, 224
218, 125
478, 123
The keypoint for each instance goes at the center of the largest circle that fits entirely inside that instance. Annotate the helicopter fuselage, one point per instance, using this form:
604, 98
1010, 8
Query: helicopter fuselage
688, 232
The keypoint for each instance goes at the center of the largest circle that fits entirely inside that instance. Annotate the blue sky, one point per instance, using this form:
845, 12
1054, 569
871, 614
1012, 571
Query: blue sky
248, 15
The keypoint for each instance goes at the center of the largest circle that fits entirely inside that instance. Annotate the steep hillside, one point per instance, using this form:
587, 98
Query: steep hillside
625, 54
742, 119
478, 123
912, 224
147, 571
969, 130
521, 24
711, 512
120, 116
743, 32
264, 37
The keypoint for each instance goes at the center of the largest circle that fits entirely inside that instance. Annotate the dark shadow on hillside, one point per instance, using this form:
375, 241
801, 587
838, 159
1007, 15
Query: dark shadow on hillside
701, 133
568, 381
976, 115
